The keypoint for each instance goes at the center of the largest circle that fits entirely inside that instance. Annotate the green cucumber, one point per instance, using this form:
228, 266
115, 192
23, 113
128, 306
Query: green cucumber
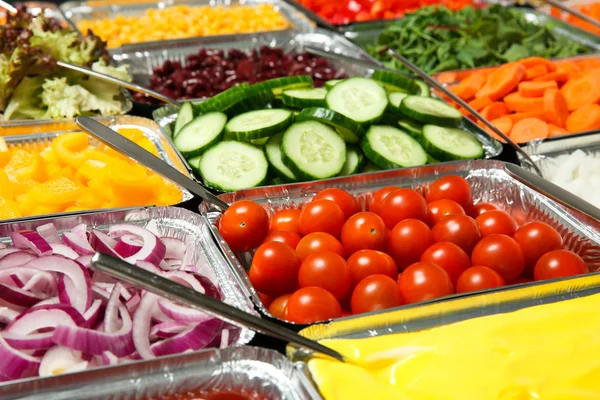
350, 130
430, 111
194, 163
360, 99
412, 128
304, 98
184, 116
395, 82
423, 88
447, 144
312, 150
278, 85
200, 134
395, 100
370, 167
332, 83
389, 147
273, 152
231, 166
258, 124
222, 101
259, 142
355, 161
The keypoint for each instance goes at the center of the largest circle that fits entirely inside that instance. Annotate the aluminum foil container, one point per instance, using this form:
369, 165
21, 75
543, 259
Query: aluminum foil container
489, 183
172, 222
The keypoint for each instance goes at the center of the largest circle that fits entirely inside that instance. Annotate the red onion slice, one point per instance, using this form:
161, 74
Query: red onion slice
7, 251
64, 250
175, 248
182, 313
31, 240
128, 245
85, 260
168, 329
195, 338
100, 241
153, 249
133, 303
7, 315
81, 231
92, 314
184, 279
15, 364
16, 259
79, 244
59, 360
141, 325
48, 232
19, 297
111, 315
149, 267
42, 282
109, 358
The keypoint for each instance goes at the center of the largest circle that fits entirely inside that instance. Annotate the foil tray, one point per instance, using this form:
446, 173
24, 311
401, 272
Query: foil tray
488, 181
164, 221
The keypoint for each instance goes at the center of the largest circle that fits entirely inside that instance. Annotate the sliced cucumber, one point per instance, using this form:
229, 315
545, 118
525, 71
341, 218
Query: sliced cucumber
273, 151
360, 99
423, 88
370, 167
395, 82
278, 85
395, 100
355, 161
251, 99
430, 111
332, 83
446, 144
200, 134
431, 160
259, 142
312, 150
258, 124
194, 163
184, 116
232, 165
222, 101
389, 147
415, 130
304, 98
350, 130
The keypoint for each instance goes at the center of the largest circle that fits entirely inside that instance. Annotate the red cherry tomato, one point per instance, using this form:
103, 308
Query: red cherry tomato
522, 280
449, 257
274, 269
277, 307
345, 200
285, 220
346, 313
287, 237
424, 281
558, 264
244, 225
377, 201
408, 240
365, 263
502, 254
321, 216
461, 230
312, 304
536, 239
481, 208
496, 222
403, 204
451, 187
442, 208
375, 292
365, 230
326, 270
318, 242
479, 278
265, 299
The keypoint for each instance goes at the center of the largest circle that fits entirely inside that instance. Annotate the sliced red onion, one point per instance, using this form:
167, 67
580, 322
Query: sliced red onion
133, 303
15, 364
85, 260
64, 250
7, 315
79, 244
128, 245
175, 248
48, 232
42, 282
224, 339
81, 231
153, 249
149, 267
171, 264
194, 338
181, 313
100, 292
111, 315
125, 294
109, 358
16, 280
49, 301
168, 329
92, 314
184, 279
209, 287
16, 259
3, 245
141, 325
31, 240
7, 251
19, 297
100, 241
61, 359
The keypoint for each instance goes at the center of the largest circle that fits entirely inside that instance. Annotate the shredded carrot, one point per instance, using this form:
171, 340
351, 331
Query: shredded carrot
555, 107
502, 81
529, 129
516, 102
585, 118
534, 72
536, 89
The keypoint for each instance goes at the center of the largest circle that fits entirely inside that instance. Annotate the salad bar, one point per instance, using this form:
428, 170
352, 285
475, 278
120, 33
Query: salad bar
363, 200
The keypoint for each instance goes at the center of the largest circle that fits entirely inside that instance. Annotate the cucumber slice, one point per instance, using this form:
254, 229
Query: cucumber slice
259, 142
312, 150
430, 111
222, 101
184, 116
447, 144
389, 147
200, 134
258, 124
251, 100
370, 167
350, 130
355, 161
423, 88
415, 130
332, 83
278, 85
273, 151
232, 165
395, 100
194, 163
304, 98
431, 160
395, 82
360, 99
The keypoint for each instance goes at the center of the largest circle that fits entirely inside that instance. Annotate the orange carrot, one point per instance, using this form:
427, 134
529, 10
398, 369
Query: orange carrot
530, 62
534, 72
502, 81
559, 77
555, 107
480, 103
516, 102
516, 117
556, 130
582, 90
536, 89
466, 89
588, 63
529, 129
569, 68
585, 118
494, 111
504, 124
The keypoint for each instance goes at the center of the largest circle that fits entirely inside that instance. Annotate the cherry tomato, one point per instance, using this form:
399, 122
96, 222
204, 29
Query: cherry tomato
321, 216
558, 264
451, 187
408, 240
522, 280
424, 281
536, 239
285, 220
449, 257
481, 208
365, 230
287, 237
365, 263
318, 242
403, 204
326, 270
500, 253
479, 278
442, 208
461, 230
496, 222
277, 307
345, 200
265, 299
375, 292
312, 304
346, 313
274, 269
244, 225
377, 201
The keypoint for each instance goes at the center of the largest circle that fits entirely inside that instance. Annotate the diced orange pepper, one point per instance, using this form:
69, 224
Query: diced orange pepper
4, 153
57, 191
8, 209
25, 166
69, 148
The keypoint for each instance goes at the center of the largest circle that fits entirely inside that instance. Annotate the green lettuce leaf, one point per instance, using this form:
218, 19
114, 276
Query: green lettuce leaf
25, 102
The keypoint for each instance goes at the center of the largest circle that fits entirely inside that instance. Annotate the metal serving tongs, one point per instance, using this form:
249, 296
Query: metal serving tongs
574, 12
192, 298
125, 146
